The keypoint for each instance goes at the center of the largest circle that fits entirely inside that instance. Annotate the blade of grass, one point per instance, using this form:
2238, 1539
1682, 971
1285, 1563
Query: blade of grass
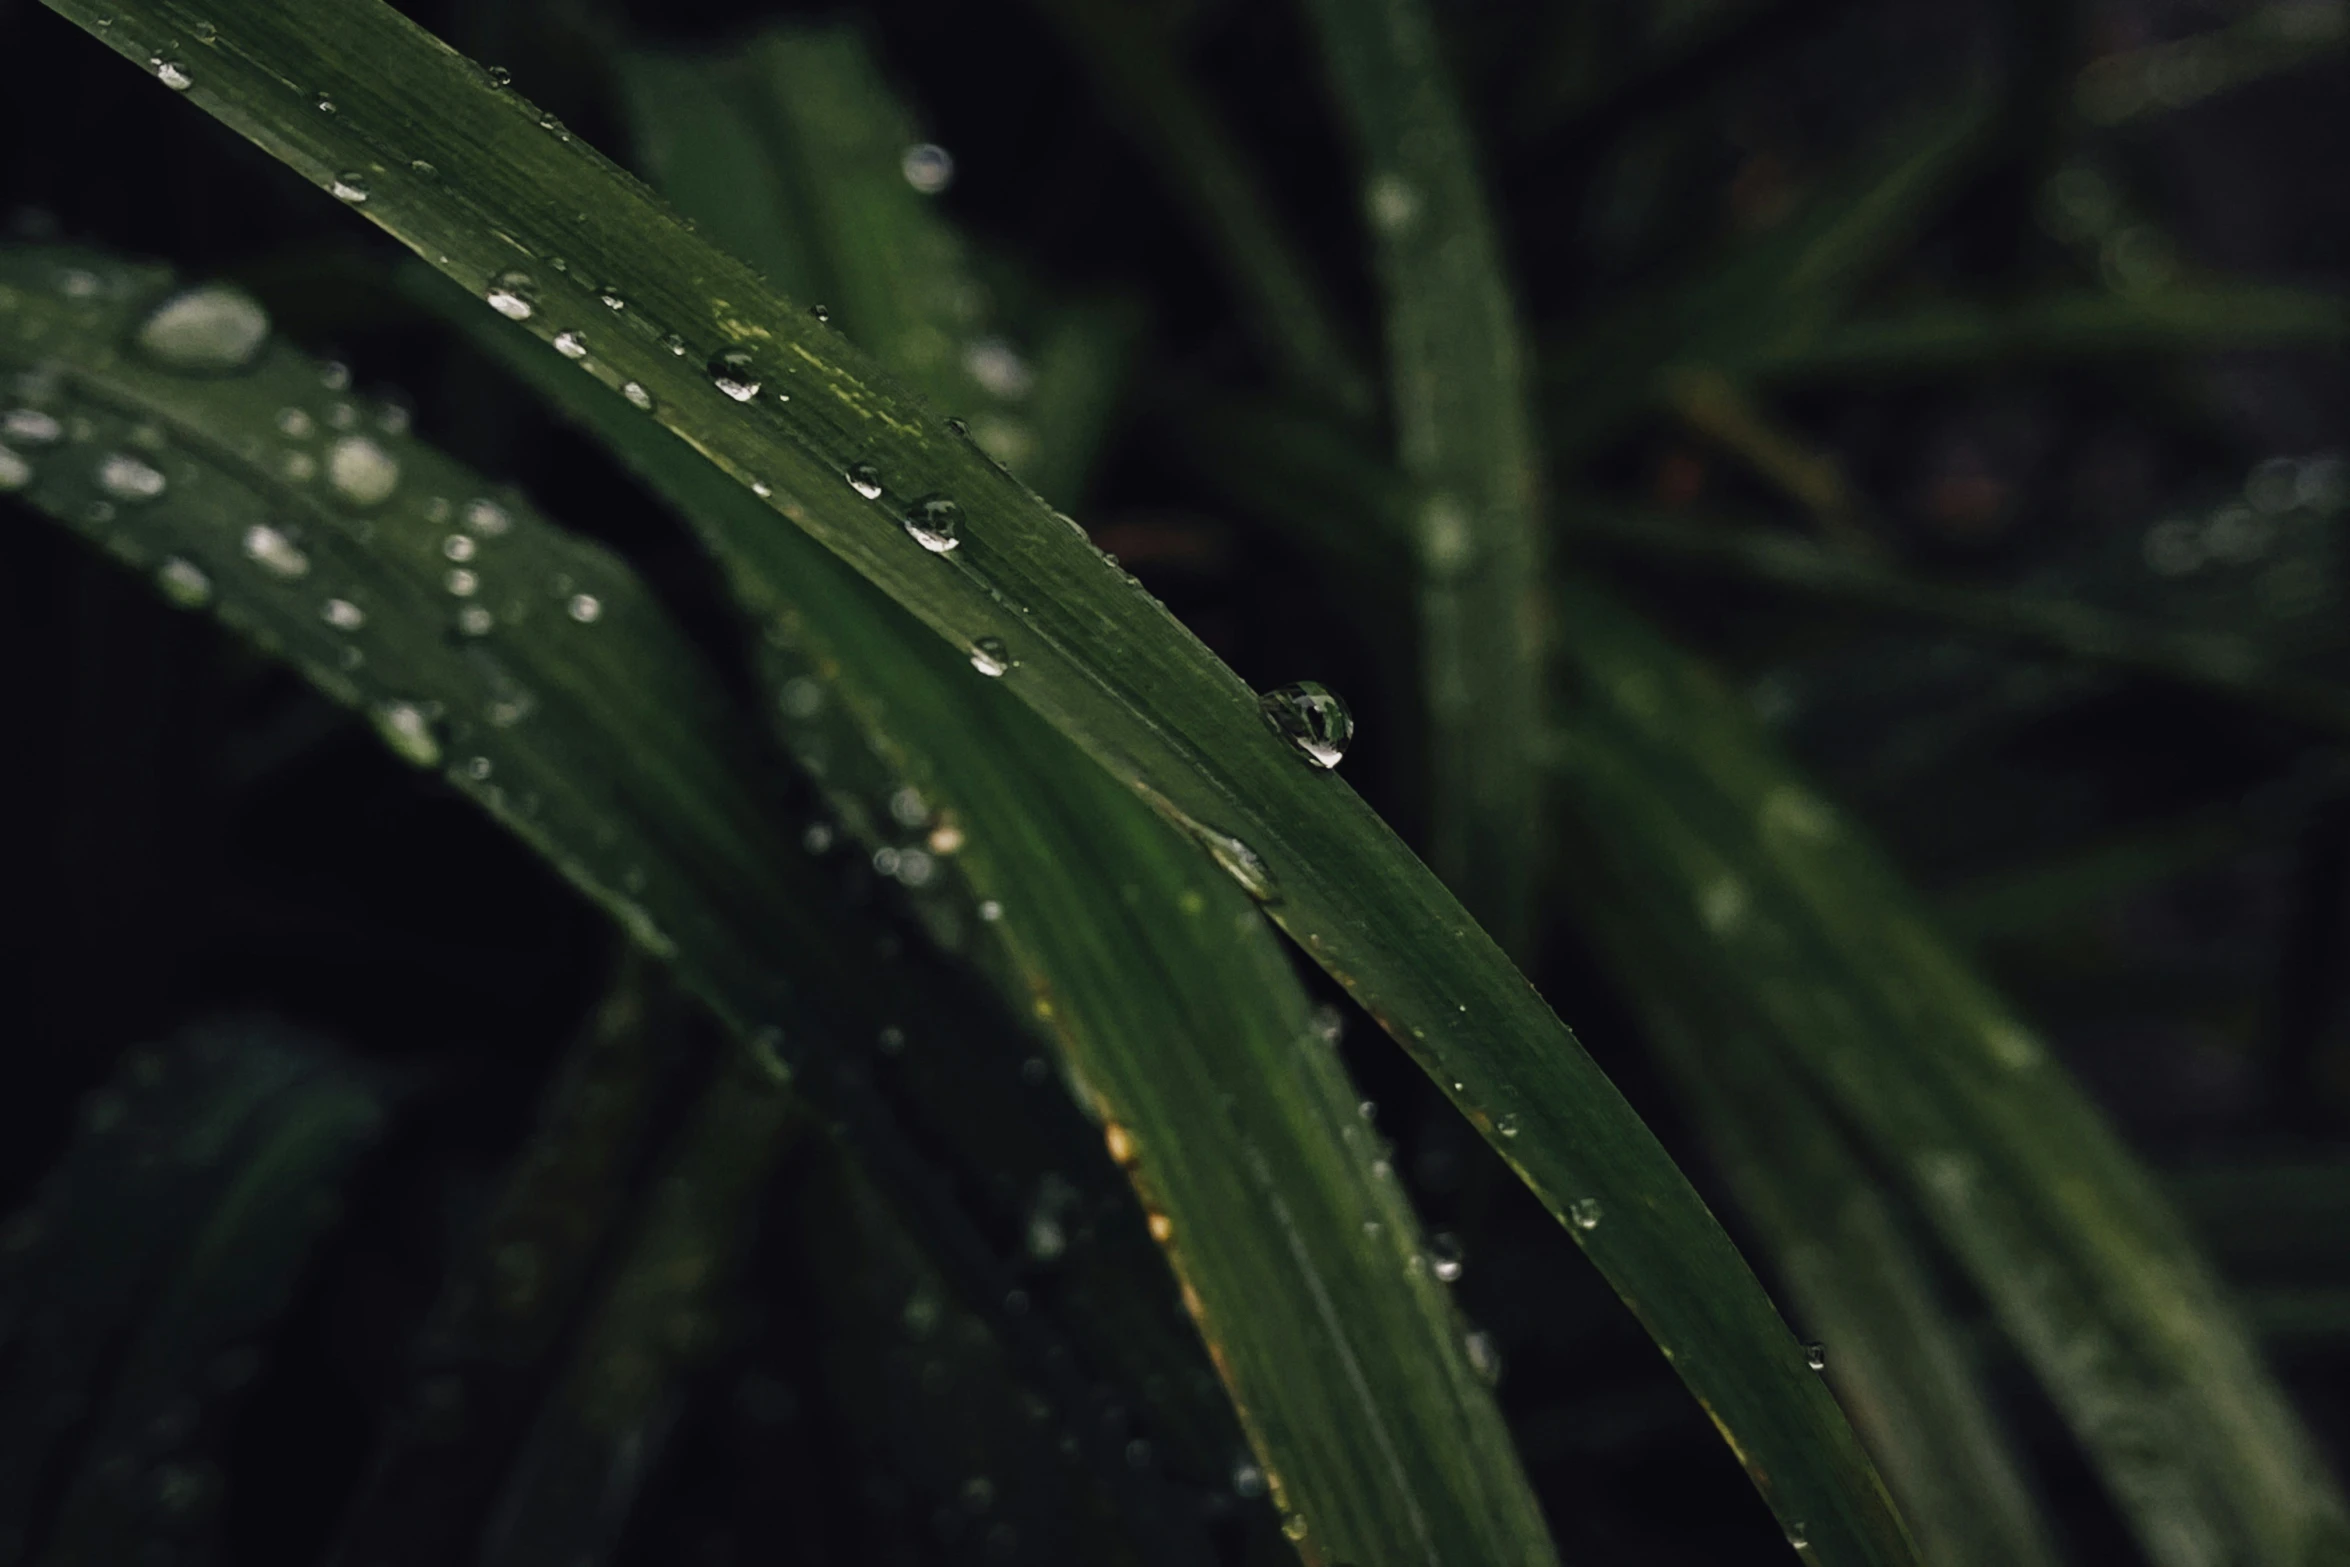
1464, 433
1162, 989
1098, 659
575, 714
1132, 57
2085, 1264
2265, 41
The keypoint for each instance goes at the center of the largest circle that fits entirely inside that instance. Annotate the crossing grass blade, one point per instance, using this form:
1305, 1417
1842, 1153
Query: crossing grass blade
500, 192
1457, 392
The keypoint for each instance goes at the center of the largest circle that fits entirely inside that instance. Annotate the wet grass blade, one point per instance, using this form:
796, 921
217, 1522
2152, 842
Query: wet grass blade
1163, 989
2088, 1269
1463, 427
500, 193
172, 1235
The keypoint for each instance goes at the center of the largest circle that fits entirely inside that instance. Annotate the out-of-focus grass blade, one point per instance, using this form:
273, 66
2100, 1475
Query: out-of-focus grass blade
657, 1318
1936, 339
1900, 1366
165, 426
178, 1222
461, 168
2216, 661
513, 1292
1132, 56
2085, 1264
2264, 41
1463, 428
1163, 988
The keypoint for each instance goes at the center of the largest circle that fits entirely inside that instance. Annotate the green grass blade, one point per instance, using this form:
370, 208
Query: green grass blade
1464, 433
1131, 54
1899, 1364
1097, 658
2088, 1269
1162, 989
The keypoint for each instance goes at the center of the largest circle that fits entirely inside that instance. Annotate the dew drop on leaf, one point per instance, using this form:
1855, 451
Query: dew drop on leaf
865, 479
325, 104
462, 582
571, 345
933, 523
360, 472
458, 547
990, 657
342, 614
212, 328
475, 621
184, 583
274, 553
513, 295
1445, 1256
423, 170
928, 167
1484, 1356
407, 731
15, 472
1815, 1355
1310, 717
350, 186
1583, 1213
487, 518
128, 479
821, 313
637, 396
733, 372
171, 74
31, 427
585, 608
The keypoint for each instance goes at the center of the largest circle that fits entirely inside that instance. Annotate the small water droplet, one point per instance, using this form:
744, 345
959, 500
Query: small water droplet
295, 423
1293, 1527
933, 523
342, 614
423, 170
499, 77
990, 657
1248, 1481
548, 122
1446, 1258
865, 479
928, 167
273, 552
674, 344
1507, 1125
612, 301
184, 583
15, 472
585, 608
761, 488
350, 186
458, 547
1799, 1537
210, 328
733, 372
822, 313
998, 368
1583, 1213
1815, 1355
571, 345
637, 396
31, 427
324, 104
990, 911
407, 731
512, 294
361, 472
1484, 1357
129, 480
171, 73
487, 518
475, 620
1310, 717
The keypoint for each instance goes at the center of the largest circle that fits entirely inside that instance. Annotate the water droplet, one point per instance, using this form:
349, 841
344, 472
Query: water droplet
273, 552
212, 328
512, 294
865, 479
1507, 1125
462, 582
674, 344
584, 608
1393, 202
1815, 1355
637, 396
407, 731
548, 122
128, 479
571, 345
171, 74
612, 301
733, 372
423, 170
458, 547
1446, 1256
342, 614
761, 488
1583, 1213
350, 186
1798, 1537
1293, 1527
1484, 1357
487, 518
361, 472
499, 77
295, 423
822, 313
184, 583
31, 427
998, 368
990, 911
1312, 718
933, 522
15, 472
928, 167
1248, 1481
990, 657
324, 104
474, 620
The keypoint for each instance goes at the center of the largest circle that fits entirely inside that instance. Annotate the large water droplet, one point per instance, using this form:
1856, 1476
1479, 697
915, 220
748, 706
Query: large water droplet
513, 295
865, 479
350, 186
1446, 1257
273, 552
458, 547
1583, 1213
360, 472
184, 583
210, 328
15, 472
585, 608
733, 372
637, 396
172, 74
462, 582
128, 479
31, 427
1310, 716
990, 657
571, 345
928, 167
407, 731
933, 522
